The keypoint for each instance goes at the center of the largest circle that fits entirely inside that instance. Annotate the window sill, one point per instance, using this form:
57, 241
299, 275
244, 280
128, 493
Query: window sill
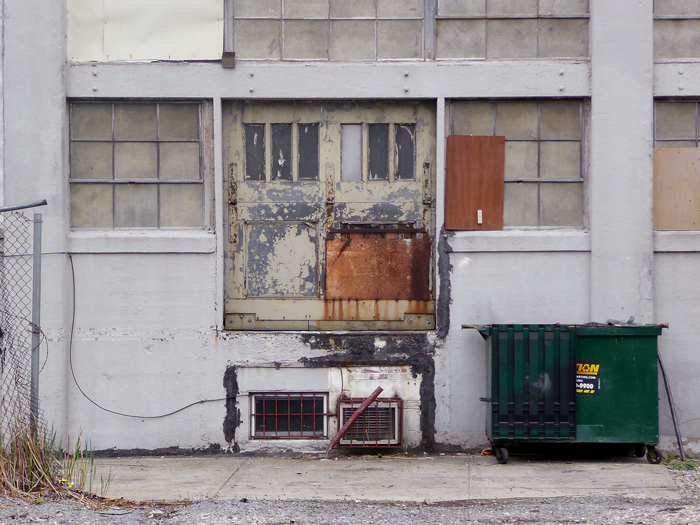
676, 241
141, 241
568, 240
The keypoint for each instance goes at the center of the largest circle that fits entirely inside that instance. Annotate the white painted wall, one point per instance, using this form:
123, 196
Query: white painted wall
147, 303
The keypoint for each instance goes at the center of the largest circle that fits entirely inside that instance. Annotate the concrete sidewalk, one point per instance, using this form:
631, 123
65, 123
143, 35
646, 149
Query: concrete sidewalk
397, 478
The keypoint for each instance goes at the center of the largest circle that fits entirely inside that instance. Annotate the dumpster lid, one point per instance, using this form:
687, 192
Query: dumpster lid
590, 329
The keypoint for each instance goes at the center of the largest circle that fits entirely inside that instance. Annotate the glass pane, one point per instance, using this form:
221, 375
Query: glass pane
136, 205
181, 205
179, 160
308, 151
405, 163
135, 160
560, 120
378, 151
179, 121
473, 118
675, 120
516, 120
91, 121
561, 204
351, 152
255, 152
521, 160
560, 160
91, 205
135, 121
91, 160
520, 204
281, 152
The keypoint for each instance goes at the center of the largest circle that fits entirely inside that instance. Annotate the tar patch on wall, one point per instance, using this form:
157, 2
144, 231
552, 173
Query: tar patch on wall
587, 378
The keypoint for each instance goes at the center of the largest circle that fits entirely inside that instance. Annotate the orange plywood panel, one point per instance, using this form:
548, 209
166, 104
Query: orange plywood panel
677, 189
475, 183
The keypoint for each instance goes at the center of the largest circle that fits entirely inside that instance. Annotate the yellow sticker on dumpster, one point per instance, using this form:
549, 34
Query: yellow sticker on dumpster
587, 377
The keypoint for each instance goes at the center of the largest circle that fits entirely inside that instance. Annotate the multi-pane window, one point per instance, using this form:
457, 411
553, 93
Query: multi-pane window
136, 165
388, 148
544, 152
289, 415
507, 29
329, 29
676, 124
676, 25
281, 152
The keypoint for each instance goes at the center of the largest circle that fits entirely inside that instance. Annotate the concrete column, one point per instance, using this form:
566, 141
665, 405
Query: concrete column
621, 171
35, 161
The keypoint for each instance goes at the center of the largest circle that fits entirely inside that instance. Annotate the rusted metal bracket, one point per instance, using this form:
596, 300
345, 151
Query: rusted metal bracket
232, 203
357, 413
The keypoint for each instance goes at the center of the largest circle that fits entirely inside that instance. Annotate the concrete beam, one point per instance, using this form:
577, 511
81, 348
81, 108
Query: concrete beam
323, 80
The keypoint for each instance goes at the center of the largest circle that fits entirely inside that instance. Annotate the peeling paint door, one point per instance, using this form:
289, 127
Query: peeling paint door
330, 218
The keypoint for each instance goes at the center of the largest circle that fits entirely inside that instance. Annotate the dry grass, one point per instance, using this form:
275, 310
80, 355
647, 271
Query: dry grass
32, 466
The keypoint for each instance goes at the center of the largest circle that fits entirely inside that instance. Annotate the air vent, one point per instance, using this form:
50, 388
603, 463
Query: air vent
381, 425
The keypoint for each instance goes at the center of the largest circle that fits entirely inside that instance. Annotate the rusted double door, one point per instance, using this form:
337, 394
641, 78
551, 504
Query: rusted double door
330, 215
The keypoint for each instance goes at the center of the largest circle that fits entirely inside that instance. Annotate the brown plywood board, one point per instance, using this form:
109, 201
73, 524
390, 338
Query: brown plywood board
475, 181
376, 269
677, 189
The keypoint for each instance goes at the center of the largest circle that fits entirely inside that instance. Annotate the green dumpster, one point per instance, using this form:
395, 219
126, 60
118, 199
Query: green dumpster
572, 384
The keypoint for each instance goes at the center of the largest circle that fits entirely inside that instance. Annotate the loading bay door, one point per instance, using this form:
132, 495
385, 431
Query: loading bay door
330, 216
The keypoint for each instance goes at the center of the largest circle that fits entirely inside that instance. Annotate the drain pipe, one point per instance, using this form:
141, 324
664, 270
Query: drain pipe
357, 413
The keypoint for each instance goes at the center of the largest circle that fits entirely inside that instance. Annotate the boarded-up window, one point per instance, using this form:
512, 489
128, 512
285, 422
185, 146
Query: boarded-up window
677, 189
474, 185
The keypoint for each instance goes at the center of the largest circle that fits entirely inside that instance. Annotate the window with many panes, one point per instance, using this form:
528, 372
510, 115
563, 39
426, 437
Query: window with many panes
137, 165
544, 156
288, 415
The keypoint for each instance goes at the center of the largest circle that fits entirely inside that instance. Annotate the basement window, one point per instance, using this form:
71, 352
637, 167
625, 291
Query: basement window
280, 415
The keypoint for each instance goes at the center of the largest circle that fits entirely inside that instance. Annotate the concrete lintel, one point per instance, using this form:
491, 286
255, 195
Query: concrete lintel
521, 241
323, 80
677, 79
141, 241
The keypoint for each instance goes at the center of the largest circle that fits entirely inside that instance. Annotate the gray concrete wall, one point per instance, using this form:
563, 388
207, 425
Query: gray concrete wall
148, 304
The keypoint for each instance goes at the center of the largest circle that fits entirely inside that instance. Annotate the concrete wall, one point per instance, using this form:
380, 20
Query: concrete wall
148, 304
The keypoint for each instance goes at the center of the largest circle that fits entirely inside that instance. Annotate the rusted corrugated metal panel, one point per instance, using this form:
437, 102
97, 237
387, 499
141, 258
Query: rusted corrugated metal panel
377, 269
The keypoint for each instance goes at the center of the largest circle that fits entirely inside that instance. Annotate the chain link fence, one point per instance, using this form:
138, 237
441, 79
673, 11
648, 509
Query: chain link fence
16, 326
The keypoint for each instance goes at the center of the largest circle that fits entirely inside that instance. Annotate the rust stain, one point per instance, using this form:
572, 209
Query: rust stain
378, 269
378, 310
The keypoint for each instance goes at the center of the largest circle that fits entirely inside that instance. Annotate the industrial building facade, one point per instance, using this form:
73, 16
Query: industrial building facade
264, 209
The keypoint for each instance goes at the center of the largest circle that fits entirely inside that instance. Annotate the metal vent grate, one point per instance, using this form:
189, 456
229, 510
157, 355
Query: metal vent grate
379, 426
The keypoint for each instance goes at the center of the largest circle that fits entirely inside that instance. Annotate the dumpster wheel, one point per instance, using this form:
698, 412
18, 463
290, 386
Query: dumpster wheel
653, 455
501, 454
639, 450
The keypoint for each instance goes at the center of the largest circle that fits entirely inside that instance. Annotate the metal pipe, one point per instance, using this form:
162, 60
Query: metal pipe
24, 206
673, 410
36, 320
357, 413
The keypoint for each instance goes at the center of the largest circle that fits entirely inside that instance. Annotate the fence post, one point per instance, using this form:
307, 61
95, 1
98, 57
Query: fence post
36, 322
